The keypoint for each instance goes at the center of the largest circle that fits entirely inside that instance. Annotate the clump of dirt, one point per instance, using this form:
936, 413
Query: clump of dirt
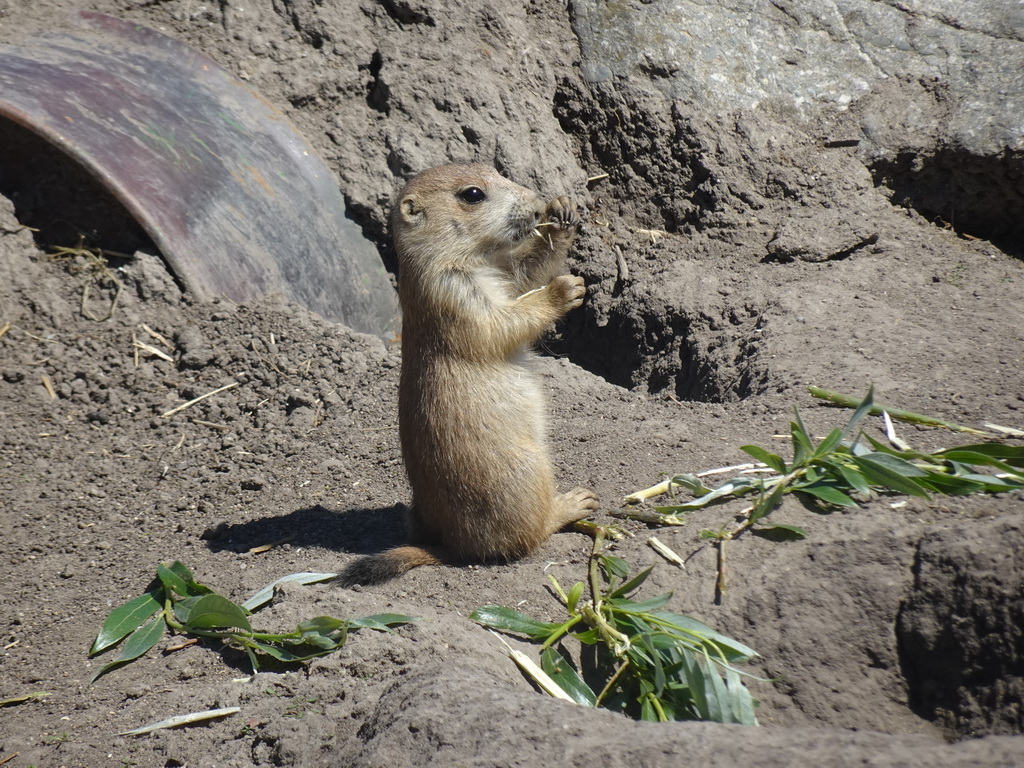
730, 261
960, 631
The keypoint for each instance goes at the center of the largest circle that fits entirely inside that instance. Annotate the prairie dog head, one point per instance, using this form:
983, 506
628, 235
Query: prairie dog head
463, 216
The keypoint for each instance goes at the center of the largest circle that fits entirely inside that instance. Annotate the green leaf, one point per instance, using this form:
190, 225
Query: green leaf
654, 656
182, 608
851, 477
172, 581
126, 619
884, 475
321, 625
715, 699
896, 464
632, 584
508, 620
735, 487
22, 698
573, 598
862, 410
829, 444
182, 571
908, 454
767, 504
324, 632
962, 480
644, 606
1010, 454
716, 693
382, 622
588, 637
803, 447
732, 650
324, 642
138, 643
647, 711
766, 457
142, 639
264, 595
615, 566
742, 703
979, 459
952, 485
215, 611
693, 676
828, 493
193, 588
567, 678
692, 483
284, 654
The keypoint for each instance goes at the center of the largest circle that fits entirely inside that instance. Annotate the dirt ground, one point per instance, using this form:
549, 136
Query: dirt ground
731, 261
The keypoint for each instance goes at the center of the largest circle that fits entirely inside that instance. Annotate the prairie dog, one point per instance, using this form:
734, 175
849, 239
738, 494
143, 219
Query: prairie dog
481, 262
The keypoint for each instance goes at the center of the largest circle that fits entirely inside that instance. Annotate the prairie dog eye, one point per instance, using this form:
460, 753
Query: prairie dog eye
472, 195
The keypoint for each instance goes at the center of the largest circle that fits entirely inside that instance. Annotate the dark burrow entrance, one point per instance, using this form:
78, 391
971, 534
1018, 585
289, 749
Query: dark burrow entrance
60, 201
979, 197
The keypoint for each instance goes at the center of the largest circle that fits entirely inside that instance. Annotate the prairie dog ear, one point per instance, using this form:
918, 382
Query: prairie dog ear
410, 210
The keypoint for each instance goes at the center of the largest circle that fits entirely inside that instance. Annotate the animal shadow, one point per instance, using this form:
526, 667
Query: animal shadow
355, 531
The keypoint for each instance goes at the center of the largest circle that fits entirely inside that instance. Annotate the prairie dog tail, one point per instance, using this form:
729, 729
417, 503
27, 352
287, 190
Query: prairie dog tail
375, 569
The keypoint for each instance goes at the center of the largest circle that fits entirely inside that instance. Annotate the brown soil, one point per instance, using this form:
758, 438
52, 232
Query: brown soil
890, 631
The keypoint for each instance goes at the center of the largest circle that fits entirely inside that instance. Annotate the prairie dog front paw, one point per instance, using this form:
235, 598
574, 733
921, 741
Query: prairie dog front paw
567, 292
562, 215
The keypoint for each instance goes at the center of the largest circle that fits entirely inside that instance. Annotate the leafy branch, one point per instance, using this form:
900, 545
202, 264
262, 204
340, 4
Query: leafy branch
649, 663
175, 601
843, 469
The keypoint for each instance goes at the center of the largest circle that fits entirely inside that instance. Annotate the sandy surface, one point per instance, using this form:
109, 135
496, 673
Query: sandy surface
773, 264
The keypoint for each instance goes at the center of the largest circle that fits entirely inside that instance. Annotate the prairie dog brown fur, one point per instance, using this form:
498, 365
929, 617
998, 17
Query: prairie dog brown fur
481, 262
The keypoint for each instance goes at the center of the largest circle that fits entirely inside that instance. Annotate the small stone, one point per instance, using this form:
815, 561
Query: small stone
254, 483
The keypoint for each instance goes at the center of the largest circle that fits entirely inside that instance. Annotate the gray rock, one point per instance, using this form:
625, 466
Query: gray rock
806, 58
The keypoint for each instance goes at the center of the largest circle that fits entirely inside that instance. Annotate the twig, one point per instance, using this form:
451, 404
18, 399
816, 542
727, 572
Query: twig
610, 685
38, 338
720, 582
6, 327
182, 645
591, 529
654, 234
86, 289
224, 427
914, 418
647, 515
148, 348
530, 668
49, 386
192, 402
157, 336
1005, 430
267, 547
666, 552
154, 351
663, 487
623, 267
